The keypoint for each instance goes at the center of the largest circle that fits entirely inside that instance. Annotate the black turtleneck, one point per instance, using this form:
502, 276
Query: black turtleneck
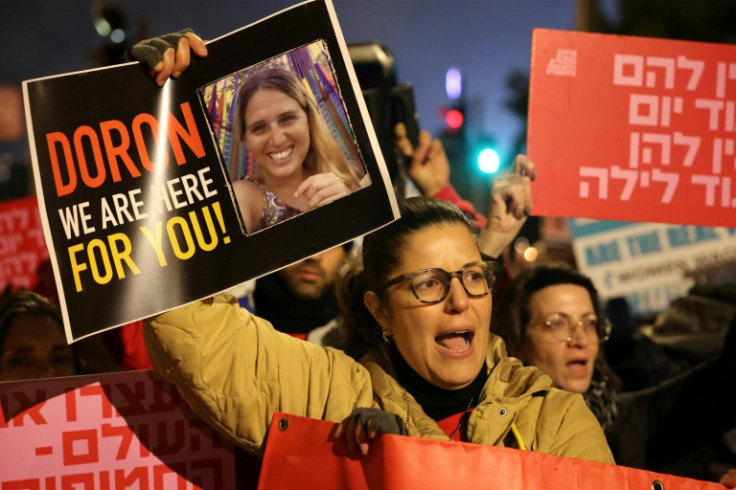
438, 403
288, 313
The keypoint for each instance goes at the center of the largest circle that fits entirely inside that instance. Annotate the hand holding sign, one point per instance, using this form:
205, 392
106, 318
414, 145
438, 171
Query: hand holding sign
168, 55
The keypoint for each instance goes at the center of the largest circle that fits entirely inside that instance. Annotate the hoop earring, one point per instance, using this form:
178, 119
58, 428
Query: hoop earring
385, 335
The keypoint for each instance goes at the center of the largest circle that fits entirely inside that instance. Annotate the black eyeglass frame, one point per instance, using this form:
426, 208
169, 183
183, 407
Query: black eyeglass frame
488, 270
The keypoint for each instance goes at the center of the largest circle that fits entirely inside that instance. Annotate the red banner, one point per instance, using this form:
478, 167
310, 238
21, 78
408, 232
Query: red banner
133, 430
633, 129
300, 453
121, 430
22, 245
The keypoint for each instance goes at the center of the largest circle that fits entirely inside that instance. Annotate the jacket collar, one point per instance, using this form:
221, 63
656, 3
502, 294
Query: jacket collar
510, 383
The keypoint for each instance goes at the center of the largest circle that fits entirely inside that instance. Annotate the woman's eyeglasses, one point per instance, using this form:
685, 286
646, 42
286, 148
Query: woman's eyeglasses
433, 285
562, 328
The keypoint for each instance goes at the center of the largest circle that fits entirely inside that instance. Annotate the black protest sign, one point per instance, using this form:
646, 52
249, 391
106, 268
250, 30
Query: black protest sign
138, 184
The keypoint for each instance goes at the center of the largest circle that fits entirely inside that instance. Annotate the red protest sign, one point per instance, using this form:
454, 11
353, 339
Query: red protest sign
22, 246
633, 129
298, 445
118, 430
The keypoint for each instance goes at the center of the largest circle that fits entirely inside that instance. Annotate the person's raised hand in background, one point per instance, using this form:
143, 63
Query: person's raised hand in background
510, 202
509, 207
428, 167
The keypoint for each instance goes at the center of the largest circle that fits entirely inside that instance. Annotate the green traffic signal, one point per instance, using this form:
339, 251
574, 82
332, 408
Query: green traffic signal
488, 160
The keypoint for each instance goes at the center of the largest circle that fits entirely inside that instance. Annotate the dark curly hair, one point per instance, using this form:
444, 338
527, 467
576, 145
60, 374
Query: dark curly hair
513, 311
513, 314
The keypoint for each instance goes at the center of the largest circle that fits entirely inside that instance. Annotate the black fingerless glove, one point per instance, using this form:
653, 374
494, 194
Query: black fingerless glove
381, 421
150, 52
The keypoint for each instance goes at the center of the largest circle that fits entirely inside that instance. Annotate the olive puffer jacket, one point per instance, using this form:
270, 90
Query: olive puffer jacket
235, 370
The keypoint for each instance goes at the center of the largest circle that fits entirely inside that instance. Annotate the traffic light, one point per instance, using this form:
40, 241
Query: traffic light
486, 156
454, 114
454, 135
454, 119
488, 160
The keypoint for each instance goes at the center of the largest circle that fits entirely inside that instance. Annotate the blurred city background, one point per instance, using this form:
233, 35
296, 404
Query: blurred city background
487, 42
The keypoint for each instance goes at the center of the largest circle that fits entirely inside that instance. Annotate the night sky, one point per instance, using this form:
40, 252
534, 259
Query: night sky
485, 39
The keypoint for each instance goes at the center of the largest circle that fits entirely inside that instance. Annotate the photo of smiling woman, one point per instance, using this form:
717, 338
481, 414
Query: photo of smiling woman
298, 163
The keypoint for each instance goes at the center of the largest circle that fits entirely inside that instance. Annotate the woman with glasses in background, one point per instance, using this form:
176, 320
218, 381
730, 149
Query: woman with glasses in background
550, 317
417, 314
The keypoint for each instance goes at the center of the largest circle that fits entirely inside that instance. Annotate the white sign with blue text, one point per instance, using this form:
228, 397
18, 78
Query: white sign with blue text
648, 263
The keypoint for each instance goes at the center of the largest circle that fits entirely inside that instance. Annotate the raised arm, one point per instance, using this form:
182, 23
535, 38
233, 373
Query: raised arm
429, 169
511, 199
509, 207
235, 370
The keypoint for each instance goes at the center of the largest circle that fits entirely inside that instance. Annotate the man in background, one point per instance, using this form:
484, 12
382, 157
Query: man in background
300, 299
